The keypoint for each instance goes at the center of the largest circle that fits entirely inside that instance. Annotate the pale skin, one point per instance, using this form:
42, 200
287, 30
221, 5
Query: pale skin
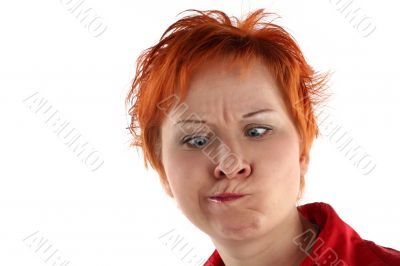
258, 229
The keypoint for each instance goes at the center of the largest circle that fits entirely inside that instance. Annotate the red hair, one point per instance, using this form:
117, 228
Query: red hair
164, 70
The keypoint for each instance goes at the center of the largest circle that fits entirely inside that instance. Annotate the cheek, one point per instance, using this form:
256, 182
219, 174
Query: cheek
188, 181
184, 164
277, 177
186, 173
278, 160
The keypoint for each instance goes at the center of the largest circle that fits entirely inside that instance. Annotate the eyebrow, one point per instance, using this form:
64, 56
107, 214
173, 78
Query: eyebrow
266, 110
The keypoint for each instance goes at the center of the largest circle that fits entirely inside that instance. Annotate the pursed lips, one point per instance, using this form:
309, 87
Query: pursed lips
225, 197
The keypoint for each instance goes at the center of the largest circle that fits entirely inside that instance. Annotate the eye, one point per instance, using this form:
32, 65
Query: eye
202, 141
258, 131
196, 141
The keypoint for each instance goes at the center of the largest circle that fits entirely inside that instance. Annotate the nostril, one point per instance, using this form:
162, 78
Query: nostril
238, 171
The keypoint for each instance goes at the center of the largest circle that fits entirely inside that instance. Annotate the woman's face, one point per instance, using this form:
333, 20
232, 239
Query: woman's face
265, 163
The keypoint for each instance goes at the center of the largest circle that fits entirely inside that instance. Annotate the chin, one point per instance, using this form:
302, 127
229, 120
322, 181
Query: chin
240, 231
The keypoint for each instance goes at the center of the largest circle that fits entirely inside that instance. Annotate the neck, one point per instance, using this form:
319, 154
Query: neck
276, 247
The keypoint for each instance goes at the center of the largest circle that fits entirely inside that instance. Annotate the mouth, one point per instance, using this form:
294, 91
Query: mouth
226, 197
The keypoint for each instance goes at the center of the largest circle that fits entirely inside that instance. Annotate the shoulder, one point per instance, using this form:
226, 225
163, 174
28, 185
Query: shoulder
338, 243
387, 255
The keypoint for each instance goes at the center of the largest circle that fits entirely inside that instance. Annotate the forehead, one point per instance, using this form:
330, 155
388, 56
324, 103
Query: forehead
219, 85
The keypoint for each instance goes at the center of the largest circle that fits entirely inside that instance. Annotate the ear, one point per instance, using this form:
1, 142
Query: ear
304, 160
161, 173
166, 186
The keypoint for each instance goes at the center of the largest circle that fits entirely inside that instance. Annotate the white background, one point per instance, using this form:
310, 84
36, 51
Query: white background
115, 215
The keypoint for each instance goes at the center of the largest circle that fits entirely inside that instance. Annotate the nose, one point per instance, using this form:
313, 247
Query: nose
232, 166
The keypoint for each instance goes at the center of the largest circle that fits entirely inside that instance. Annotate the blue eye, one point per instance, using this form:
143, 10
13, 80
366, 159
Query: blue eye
197, 141
257, 131
202, 141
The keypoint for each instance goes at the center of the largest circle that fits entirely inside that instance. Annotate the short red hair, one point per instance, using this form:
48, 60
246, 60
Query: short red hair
165, 69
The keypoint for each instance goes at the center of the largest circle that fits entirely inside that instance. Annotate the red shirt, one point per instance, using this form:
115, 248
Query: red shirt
337, 244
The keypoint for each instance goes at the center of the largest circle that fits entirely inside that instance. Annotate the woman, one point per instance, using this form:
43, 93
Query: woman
223, 109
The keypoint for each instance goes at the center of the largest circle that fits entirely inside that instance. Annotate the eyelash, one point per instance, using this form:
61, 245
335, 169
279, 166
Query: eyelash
187, 139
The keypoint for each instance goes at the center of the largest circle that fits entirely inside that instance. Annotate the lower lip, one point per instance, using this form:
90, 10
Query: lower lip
226, 199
